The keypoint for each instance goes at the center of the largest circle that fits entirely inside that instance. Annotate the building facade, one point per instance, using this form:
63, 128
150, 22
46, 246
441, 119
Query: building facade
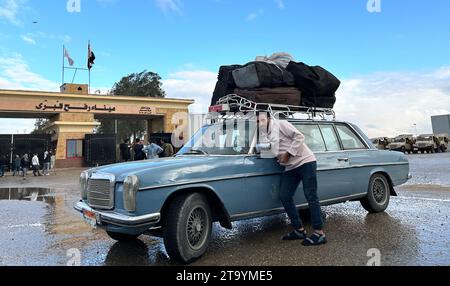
73, 113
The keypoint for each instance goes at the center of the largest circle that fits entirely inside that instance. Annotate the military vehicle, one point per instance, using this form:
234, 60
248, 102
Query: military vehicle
428, 143
381, 143
403, 143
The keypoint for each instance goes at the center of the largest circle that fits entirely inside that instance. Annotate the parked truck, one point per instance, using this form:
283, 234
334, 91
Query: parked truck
428, 143
382, 143
403, 143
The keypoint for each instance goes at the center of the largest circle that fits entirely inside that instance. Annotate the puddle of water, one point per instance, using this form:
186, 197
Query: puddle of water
28, 194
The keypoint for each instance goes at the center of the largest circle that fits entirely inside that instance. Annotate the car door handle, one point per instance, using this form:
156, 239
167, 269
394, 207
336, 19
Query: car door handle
343, 160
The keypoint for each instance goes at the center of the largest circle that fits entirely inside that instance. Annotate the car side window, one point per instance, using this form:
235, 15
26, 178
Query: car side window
349, 139
313, 137
329, 135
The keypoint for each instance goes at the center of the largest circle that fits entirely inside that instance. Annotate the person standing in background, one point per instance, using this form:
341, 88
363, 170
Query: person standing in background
47, 163
3, 163
25, 164
35, 165
139, 155
16, 165
168, 149
153, 150
125, 150
52, 159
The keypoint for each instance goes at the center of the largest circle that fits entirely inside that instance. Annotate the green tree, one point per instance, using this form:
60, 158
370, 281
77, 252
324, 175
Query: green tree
144, 84
39, 126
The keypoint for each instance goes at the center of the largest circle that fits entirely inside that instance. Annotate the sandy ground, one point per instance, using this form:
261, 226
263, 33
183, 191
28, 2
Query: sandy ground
39, 227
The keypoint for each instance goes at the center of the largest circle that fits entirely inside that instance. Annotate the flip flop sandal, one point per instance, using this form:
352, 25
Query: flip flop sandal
295, 235
315, 239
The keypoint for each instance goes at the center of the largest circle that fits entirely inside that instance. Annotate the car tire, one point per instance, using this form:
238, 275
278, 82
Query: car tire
122, 237
187, 228
378, 196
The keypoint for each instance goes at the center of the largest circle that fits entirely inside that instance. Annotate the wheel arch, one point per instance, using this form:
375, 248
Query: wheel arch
218, 209
388, 178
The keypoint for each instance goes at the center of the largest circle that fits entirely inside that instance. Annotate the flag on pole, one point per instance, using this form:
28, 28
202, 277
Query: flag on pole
66, 54
91, 57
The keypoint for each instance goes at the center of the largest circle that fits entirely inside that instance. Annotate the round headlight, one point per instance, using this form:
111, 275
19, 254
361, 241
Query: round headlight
130, 189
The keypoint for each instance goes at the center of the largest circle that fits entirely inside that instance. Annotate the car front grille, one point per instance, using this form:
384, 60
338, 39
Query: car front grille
100, 192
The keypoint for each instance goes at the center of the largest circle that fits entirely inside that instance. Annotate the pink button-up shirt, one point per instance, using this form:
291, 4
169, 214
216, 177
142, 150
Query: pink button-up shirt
285, 138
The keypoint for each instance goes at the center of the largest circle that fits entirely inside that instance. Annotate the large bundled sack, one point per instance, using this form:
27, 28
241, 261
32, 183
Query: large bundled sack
315, 82
262, 74
225, 84
323, 102
280, 59
280, 95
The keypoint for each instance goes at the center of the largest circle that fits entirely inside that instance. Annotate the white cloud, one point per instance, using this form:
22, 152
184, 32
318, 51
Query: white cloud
28, 40
9, 10
390, 103
169, 5
192, 84
15, 73
32, 38
252, 16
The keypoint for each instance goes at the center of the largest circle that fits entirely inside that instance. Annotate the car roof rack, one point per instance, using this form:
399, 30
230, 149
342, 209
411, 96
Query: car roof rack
236, 103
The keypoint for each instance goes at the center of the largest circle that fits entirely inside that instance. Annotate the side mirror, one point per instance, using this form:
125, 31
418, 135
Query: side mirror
263, 147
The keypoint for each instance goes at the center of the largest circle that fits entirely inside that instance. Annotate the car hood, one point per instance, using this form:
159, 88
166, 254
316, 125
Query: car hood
174, 170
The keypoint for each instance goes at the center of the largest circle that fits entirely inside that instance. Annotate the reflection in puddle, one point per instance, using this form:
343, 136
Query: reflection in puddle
28, 194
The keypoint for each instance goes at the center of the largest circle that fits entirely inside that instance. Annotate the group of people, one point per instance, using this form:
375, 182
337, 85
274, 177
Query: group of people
140, 150
20, 165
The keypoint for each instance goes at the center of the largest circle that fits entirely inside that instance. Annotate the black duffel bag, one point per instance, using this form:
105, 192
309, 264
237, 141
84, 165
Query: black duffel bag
262, 74
315, 82
225, 84
322, 102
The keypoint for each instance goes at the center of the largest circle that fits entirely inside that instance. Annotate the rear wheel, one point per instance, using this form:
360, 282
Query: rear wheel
122, 236
187, 228
378, 196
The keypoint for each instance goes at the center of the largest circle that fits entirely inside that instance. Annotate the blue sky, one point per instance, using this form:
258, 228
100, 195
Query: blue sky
185, 41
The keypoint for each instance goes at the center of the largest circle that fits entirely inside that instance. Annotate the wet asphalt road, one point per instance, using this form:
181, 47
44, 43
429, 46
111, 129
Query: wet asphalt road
39, 227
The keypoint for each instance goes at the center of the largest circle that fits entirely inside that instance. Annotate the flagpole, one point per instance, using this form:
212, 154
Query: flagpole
63, 67
89, 54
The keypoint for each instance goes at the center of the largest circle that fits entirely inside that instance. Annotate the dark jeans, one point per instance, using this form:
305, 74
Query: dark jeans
16, 170
289, 184
2, 170
36, 170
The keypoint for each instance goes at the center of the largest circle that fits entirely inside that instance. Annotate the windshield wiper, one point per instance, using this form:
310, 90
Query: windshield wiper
196, 151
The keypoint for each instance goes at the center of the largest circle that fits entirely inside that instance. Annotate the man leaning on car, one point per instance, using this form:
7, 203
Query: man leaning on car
301, 166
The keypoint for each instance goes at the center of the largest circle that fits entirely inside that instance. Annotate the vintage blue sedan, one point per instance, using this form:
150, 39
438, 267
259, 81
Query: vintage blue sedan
179, 198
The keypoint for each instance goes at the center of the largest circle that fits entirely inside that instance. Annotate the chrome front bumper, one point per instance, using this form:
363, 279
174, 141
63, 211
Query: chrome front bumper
117, 219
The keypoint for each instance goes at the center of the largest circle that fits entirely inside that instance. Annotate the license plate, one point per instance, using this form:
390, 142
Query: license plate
90, 218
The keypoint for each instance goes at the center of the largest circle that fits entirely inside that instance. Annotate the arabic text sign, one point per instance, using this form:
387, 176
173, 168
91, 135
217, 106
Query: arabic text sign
45, 106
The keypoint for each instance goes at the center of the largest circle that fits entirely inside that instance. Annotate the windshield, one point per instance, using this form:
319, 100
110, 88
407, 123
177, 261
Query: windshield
424, 138
228, 138
399, 140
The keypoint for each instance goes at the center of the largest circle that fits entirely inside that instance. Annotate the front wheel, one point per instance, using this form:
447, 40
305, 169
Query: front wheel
187, 228
378, 196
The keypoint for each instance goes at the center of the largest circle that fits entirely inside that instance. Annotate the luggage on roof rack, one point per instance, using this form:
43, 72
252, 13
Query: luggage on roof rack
235, 103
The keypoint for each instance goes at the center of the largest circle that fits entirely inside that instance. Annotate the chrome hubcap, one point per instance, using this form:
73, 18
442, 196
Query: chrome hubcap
196, 229
379, 190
